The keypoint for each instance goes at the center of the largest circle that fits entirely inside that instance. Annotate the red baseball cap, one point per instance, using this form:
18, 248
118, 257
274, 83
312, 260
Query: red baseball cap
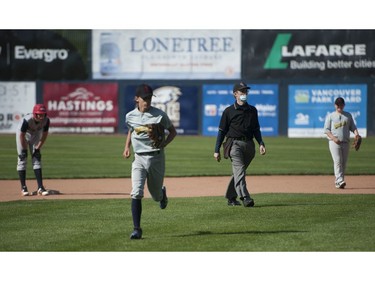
39, 109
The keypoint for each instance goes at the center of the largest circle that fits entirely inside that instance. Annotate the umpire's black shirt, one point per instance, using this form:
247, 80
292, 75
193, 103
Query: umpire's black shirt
241, 121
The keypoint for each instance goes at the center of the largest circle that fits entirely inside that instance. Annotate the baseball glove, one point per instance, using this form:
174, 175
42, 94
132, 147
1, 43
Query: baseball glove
357, 142
37, 154
156, 133
23, 155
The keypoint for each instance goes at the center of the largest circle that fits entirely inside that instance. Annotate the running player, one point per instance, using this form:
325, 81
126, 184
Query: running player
149, 162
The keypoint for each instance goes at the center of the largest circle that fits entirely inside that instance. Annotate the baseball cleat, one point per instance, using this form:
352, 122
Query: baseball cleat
233, 202
164, 201
42, 191
341, 185
24, 191
136, 234
248, 202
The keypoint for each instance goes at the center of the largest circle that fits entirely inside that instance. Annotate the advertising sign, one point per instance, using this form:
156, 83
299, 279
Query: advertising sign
179, 102
265, 97
308, 53
166, 54
16, 100
310, 104
82, 107
27, 55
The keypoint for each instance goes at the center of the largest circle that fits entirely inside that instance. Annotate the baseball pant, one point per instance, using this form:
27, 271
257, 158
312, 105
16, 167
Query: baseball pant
339, 153
31, 140
150, 168
241, 154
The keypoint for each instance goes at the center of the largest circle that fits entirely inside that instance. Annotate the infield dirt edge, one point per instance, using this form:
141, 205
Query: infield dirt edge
187, 186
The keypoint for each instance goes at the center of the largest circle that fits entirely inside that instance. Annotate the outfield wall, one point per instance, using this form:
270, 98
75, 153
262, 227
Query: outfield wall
87, 77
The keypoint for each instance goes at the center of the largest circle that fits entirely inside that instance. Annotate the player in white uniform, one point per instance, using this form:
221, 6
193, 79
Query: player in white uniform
337, 127
149, 162
31, 133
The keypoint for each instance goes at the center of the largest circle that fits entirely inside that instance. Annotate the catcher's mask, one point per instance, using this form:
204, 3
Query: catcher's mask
39, 109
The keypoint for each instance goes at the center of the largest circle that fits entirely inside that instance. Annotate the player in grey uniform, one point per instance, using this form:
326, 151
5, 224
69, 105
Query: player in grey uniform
337, 127
31, 133
149, 162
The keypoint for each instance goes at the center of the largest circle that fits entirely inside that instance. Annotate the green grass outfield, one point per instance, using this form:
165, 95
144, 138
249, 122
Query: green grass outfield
100, 156
278, 222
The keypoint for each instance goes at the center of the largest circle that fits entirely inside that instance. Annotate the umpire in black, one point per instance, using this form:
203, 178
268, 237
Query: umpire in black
239, 124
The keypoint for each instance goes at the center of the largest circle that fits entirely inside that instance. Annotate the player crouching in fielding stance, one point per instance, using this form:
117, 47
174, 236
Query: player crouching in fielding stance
31, 133
239, 124
337, 127
146, 134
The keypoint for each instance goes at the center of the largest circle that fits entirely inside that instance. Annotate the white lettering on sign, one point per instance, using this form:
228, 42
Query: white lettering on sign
323, 50
47, 55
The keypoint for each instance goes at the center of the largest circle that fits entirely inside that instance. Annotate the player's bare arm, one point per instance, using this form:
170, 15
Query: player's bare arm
42, 140
23, 140
127, 153
172, 133
332, 137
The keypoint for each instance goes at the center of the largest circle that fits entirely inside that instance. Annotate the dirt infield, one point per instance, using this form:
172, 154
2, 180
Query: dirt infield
186, 187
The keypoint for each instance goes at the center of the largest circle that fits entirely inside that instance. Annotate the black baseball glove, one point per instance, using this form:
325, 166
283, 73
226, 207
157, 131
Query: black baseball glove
23, 155
37, 154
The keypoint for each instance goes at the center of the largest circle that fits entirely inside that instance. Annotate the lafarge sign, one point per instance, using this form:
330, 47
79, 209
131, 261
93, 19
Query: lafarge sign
318, 53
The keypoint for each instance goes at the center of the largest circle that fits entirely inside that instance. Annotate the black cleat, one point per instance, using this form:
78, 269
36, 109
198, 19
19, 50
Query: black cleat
136, 234
248, 202
233, 202
24, 191
164, 201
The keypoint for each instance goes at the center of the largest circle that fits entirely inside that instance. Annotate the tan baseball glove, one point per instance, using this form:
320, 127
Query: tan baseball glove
357, 142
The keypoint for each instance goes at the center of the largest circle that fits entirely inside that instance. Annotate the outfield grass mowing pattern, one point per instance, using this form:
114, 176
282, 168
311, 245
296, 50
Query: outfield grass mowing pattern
278, 222
92, 156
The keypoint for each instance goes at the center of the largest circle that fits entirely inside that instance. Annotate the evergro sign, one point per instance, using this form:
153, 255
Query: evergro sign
48, 55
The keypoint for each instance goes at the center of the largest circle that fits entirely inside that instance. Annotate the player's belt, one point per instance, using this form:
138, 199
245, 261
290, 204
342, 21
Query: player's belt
242, 138
151, 153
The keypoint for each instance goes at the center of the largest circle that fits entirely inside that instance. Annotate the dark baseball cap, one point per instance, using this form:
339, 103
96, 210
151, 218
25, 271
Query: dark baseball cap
144, 91
340, 101
240, 86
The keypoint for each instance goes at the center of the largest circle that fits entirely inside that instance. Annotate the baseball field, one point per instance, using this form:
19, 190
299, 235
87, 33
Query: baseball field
297, 209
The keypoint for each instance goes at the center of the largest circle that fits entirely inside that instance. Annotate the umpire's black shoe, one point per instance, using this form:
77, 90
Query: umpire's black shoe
248, 202
136, 234
233, 202
164, 201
